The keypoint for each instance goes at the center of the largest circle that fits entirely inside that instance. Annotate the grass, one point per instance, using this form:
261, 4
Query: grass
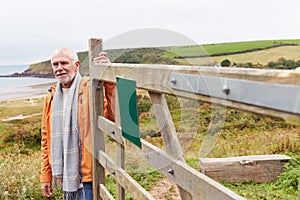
284, 188
262, 57
241, 134
41, 67
210, 49
23, 106
146, 179
18, 174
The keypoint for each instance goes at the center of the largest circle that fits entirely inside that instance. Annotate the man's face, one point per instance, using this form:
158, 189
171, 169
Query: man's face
64, 69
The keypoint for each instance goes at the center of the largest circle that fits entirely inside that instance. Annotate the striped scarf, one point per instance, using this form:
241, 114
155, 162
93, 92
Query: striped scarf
65, 145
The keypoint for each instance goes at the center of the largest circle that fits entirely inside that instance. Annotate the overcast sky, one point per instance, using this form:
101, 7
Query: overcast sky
32, 29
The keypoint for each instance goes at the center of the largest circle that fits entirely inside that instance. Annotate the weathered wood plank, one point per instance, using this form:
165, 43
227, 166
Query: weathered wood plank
167, 128
166, 125
104, 193
126, 181
120, 150
258, 168
95, 47
96, 109
198, 185
105, 124
156, 78
108, 72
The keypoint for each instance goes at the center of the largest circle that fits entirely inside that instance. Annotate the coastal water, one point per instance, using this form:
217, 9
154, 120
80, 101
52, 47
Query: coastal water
21, 87
10, 69
17, 82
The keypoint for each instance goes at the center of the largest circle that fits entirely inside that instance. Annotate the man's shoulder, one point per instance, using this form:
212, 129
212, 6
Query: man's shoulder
84, 83
85, 79
51, 90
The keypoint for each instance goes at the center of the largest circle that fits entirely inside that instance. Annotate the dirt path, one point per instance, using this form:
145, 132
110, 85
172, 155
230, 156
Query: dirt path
21, 116
165, 189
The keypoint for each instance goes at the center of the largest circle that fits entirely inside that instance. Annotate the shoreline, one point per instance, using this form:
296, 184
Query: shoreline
24, 74
24, 98
25, 92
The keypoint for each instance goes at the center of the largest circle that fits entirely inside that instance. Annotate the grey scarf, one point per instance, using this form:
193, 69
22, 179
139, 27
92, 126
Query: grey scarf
65, 145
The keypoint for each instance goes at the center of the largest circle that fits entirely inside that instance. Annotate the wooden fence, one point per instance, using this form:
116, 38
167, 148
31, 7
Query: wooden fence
159, 80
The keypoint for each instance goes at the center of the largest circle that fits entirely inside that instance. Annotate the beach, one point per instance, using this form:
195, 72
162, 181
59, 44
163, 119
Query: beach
31, 91
13, 88
28, 94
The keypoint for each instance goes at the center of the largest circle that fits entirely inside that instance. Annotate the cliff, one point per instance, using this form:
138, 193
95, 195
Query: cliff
44, 70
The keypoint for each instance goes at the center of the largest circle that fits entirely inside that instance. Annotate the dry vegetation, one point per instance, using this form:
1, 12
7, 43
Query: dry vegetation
240, 134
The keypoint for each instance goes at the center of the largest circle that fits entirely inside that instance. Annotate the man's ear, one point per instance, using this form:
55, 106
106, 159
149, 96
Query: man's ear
77, 65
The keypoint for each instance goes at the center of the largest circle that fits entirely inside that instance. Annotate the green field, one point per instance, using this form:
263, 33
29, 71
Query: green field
193, 54
263, 56
210, 49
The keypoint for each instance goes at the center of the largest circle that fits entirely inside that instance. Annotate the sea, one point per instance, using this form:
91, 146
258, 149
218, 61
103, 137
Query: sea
21, 87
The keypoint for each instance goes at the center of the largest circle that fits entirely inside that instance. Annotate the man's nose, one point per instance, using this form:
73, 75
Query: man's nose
59, 66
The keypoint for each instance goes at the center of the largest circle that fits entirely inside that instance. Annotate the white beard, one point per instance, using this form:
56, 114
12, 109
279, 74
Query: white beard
66, 79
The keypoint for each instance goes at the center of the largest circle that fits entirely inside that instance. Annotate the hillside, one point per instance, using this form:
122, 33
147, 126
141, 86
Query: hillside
261, 56
261, 52
218, 49
43, 69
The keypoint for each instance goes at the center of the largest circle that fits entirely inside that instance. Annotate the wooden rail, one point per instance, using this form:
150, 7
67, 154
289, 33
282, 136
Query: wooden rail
156, 80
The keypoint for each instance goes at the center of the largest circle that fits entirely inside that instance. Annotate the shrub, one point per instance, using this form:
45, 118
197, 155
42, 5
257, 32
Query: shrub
282, 63
25, 131
145, 55
290, 177
172, 102
144, 104
225, 63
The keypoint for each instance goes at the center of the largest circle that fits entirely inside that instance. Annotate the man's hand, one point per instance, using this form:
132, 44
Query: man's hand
47, 189
102, 58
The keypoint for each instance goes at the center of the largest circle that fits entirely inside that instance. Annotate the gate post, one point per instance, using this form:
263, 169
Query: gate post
96, 109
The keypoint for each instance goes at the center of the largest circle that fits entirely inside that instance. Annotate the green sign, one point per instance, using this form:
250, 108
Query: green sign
128, 110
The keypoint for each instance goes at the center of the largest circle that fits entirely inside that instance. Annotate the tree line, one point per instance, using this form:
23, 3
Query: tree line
281, 63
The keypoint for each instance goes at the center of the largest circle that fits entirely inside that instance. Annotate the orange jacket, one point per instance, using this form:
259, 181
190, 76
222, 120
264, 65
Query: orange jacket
84, 127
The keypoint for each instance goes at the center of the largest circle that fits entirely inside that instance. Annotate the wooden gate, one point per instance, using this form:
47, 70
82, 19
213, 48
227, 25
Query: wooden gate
159, 80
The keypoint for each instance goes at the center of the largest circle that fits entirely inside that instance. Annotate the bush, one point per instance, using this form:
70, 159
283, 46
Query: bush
25, 131
145, 55
144, 104
290, 177
282, 63
225, 63
172, 102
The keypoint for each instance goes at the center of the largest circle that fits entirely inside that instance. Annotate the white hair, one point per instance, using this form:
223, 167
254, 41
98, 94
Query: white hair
70, 53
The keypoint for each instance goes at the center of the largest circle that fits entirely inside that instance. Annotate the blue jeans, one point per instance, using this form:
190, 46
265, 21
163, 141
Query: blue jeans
88, 191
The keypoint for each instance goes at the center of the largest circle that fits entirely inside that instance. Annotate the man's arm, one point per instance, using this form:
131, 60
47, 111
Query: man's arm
109, 100
46, 172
